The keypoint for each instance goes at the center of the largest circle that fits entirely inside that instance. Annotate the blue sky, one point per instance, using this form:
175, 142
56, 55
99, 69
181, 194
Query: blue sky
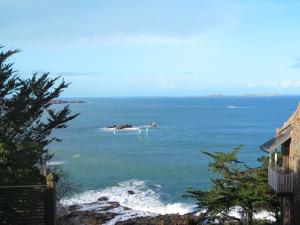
157, 47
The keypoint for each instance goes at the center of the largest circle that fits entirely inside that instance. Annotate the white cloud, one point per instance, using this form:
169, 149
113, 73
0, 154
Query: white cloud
282, 84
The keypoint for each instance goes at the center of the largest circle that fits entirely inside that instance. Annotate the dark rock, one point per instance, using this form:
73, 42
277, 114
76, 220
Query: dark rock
94, 218
123, 126
59, 101
120, 127
130, 192
73, 207
86, 218
125, 208
102, 199
114, 204
187, 219
62, 210
111, 205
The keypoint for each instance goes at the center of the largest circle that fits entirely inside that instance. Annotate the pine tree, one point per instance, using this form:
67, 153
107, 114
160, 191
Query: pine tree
27, 120
236, 186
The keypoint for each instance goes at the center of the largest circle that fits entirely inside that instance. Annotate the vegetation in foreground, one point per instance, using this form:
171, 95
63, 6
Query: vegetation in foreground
236, 184
26, 122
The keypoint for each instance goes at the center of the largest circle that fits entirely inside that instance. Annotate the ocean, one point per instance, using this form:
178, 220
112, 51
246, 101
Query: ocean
160, 164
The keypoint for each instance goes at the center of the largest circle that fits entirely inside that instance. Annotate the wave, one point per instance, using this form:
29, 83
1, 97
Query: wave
235, 212
236, 107
55, 163
132, 194
140, 201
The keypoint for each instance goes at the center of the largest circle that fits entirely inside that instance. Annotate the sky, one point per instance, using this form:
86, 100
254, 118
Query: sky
157, 47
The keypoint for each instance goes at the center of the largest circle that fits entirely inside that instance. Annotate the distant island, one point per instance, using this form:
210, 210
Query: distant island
261, 95
59, 101
215, 95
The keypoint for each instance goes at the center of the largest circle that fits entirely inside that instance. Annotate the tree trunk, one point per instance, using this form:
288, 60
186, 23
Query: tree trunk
249, 218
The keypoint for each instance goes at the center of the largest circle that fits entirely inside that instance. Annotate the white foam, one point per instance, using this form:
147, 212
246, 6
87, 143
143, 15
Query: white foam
261, 215
265, 215
236, 107
112, 129
55, 163
130, 129
144, 201
107, 129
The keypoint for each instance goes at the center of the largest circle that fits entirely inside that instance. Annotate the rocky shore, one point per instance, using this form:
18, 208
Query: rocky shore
172, 219
106, 212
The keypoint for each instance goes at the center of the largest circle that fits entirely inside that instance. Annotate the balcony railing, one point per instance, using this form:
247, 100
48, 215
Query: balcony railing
280, 182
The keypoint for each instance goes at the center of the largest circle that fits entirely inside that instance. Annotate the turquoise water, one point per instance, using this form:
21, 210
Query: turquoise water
169, 158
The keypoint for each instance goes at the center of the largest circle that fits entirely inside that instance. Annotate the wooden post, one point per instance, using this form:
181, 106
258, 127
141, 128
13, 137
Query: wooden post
286, 210
50, 200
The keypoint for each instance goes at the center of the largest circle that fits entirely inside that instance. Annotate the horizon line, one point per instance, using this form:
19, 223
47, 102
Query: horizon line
187, 96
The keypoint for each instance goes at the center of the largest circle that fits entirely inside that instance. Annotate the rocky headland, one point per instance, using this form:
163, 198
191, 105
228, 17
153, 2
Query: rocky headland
59, 101
261, 95
108, 212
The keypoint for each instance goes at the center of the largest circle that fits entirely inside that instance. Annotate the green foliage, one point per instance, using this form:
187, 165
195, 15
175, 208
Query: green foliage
26, 122
236, 184
64, 185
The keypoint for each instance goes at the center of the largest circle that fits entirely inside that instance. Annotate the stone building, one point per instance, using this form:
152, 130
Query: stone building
284, 167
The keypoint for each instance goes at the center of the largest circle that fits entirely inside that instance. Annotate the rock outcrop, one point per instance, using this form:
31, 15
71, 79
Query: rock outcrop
59, 101
171, 219
120, 127
102, 211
